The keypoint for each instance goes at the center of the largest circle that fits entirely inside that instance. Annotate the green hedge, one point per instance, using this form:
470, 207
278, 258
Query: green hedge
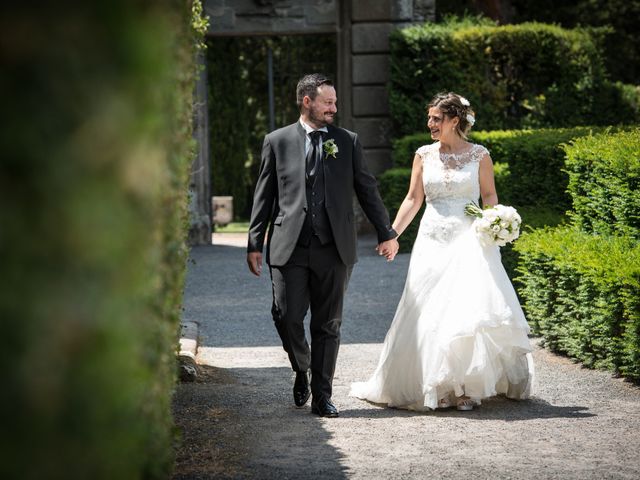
96, 155
529, 164
582, 294
604, 182
394, 184
529, 75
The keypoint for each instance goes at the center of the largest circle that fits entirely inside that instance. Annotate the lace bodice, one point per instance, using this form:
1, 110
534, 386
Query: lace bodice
450, 182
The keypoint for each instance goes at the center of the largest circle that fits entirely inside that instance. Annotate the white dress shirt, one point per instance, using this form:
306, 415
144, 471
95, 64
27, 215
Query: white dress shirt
308, 129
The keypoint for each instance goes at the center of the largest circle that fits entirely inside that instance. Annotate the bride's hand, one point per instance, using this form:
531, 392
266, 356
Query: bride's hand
388, 249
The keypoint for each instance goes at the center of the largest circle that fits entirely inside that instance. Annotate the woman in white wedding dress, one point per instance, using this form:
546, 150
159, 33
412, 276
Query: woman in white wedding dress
459, 334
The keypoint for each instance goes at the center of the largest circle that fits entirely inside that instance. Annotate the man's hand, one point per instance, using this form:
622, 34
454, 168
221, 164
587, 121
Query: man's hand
388, 249
254, 260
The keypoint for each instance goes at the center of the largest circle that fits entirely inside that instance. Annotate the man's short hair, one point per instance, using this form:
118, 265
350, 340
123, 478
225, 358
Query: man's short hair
308, 86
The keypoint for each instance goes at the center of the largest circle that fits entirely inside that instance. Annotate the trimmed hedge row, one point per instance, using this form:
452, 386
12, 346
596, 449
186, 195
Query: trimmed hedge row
394, 183
96, 155
581, 284
528, 75
582, 294
528, 164
604, 182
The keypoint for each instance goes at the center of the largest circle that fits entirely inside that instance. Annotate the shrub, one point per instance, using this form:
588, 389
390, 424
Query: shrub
96, 155
516, 76
394, 184
582, 294
528, 164
604, 182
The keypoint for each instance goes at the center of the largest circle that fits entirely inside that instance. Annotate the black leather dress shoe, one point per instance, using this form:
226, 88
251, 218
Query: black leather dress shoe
324, 408
301, 389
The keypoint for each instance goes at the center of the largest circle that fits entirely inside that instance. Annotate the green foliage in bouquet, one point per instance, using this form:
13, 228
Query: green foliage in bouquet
97, 146
528, 75
604, 182
582, 294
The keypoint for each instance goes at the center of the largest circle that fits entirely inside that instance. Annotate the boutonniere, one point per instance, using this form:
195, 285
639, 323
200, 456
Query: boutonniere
330, 147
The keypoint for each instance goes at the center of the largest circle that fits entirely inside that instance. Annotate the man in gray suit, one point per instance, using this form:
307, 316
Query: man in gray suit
303, 196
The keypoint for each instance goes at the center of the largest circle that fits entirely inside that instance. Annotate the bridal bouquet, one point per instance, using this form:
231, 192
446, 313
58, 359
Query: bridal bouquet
497, 225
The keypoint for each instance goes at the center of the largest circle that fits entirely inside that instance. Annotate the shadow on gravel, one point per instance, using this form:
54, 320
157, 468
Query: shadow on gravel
496, 408
241, 423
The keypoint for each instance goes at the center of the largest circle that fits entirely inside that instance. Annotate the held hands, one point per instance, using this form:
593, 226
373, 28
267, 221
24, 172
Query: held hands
254, 260
388, 249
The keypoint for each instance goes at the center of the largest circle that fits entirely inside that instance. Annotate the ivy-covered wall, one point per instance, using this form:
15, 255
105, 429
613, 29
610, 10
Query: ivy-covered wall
96, 149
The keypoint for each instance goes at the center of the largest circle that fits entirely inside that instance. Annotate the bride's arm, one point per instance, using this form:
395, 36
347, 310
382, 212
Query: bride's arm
487, 182
413, 201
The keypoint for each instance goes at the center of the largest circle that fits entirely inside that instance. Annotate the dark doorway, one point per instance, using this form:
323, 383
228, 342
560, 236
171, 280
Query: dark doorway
239, 113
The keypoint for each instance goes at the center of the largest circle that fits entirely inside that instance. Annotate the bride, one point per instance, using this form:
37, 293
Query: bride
459, 334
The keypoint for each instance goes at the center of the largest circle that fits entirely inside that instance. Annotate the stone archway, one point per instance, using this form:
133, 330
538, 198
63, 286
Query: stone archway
362, 29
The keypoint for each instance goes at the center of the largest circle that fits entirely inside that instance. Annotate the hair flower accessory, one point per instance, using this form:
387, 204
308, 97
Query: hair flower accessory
464, 102
471, 119
330, 147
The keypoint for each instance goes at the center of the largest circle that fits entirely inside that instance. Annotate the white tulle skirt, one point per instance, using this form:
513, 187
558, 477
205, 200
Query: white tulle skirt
458, 329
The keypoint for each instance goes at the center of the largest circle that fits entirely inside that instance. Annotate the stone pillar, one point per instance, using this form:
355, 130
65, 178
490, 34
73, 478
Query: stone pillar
200, 184
364, 55
371, 25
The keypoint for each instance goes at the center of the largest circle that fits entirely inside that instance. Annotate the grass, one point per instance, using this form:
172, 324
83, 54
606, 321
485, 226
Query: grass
233, 227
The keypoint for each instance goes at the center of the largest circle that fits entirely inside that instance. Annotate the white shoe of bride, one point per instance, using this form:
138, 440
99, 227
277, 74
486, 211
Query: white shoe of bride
465, 404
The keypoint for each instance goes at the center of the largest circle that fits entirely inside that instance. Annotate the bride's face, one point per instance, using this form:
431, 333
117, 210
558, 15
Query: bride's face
440, 125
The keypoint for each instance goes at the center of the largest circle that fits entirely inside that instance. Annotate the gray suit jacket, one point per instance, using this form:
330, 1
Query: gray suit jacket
280, 202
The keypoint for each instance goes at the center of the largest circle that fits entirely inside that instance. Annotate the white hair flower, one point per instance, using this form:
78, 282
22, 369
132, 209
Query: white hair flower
471, 119
464, 102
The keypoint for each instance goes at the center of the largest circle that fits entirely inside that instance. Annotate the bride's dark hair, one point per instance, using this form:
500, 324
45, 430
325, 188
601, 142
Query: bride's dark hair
453, 105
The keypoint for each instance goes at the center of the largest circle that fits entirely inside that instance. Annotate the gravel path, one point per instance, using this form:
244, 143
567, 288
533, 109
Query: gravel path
238, 419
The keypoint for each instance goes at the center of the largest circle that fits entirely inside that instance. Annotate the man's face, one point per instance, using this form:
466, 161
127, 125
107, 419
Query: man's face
323, 108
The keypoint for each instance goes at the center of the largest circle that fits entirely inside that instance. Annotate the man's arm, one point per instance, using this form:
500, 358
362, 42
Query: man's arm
263, 200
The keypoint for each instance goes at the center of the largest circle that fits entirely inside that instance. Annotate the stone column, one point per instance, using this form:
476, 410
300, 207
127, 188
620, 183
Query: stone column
200, 184
365, 55
372, 23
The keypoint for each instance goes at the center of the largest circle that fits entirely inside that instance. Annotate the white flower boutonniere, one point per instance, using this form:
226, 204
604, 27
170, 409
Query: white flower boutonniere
330, 147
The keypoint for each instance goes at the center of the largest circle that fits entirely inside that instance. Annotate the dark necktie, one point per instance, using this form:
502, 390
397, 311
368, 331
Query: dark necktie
313, 155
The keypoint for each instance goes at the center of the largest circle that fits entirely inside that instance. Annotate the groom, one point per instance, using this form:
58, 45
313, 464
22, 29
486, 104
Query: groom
308, 174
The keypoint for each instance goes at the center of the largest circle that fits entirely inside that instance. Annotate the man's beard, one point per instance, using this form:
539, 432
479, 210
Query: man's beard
318, 118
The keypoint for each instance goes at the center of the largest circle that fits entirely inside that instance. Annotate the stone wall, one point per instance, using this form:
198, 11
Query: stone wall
275, 17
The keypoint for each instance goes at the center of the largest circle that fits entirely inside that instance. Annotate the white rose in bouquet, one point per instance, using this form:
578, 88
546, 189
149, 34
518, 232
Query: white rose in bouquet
497, 225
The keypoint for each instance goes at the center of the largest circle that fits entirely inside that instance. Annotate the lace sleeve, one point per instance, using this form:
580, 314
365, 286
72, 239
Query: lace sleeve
423, 151
478, 152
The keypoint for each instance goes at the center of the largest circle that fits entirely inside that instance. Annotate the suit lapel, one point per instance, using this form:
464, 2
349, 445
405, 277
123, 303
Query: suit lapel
299, 159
